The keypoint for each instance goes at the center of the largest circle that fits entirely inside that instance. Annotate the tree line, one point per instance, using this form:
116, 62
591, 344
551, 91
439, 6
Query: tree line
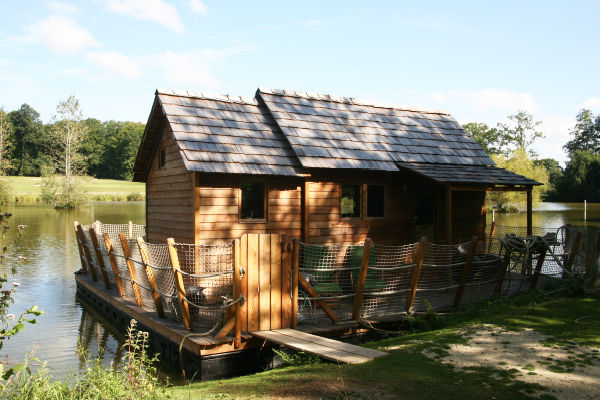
509, 145
67, 144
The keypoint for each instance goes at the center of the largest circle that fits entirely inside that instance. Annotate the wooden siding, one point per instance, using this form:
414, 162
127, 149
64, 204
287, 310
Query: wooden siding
170, 196
468, 215
217, 205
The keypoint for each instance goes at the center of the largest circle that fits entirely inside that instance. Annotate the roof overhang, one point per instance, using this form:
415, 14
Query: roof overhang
150, 139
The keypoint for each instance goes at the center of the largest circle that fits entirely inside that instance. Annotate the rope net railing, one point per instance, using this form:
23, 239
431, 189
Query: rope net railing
159, 264
207, 272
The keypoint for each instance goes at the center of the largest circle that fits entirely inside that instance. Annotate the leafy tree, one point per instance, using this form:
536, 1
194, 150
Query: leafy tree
29, 139
581, 179
120, 149
520, 132
68, 133
586, 133
555, 173
488, 138
521, 164
92, 147
5, 136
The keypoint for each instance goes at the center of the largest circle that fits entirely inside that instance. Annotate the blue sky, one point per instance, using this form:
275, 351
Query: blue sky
480, 61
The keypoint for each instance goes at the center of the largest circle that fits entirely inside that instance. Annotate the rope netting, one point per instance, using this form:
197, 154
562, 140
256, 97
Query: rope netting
114, 230
332, 272
159, 263
207, 272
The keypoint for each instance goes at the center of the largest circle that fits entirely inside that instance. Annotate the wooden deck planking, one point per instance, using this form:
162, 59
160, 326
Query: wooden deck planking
323, 347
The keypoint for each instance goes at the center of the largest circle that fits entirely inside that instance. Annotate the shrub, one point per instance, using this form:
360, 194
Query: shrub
6, 192
135, 196
57, 192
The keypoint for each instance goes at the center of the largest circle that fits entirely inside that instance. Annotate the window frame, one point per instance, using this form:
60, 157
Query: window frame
360, 200
162, 158
363, 198
265, 202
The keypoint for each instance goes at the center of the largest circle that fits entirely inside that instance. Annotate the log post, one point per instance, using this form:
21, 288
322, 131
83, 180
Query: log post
491, 238
87, 253
130, 230
84, 266
502, 273
313, 293
419, 257
529, 211
226, 328
131, 269
151, 281
362, 278
466, 270
237, 277
185, 311
113, 261
295, 272
574, 250
538, 269
99, 258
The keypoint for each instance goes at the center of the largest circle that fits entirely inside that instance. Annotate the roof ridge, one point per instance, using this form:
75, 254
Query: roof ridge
349, 100
208, 96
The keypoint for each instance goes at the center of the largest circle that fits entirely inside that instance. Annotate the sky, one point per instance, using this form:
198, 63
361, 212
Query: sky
481, 61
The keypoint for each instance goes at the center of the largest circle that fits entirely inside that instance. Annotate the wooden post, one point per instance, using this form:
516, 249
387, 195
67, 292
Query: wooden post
150, 275
84, 266
99, 258
305, 211
466, 270
538, 269
185, 311
449, 214
362, 278
243, 311
419, 257
113, 261
87, 253
313, 293
529, 212
130, 268
491, 238
574, 250
226, 328
295, 272
130, 230
237, 292
502, 273
286, 283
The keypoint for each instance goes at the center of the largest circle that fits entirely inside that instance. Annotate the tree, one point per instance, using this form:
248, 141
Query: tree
555, 173
121, 145
488, 138
69, 131
586, 133
30, 144
5, 134
520, 132
521, 164
581, 178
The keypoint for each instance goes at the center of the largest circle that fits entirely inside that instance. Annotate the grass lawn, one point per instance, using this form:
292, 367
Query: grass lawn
32, 185
409, 373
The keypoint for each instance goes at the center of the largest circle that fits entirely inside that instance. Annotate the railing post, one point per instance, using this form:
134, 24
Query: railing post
150, 275
574, 251
538, 269
237, 292
466, 270
86, 251
131, 269
420, 256
84, 266
113, 261
185, 311
502, 273
295, 272
99, 258
130, 230
491, 238
362, 278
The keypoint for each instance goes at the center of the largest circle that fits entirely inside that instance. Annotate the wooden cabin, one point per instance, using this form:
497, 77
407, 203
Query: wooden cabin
320, 168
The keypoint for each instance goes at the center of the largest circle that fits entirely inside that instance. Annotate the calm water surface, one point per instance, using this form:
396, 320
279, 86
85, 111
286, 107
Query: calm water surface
51, 256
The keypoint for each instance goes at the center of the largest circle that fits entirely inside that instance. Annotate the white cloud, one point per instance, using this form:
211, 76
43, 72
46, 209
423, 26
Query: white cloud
114, 63
220, 54
152, 10
61, 35
593, 104
199, 7
61, 7
488, 99
188, 68
556, 129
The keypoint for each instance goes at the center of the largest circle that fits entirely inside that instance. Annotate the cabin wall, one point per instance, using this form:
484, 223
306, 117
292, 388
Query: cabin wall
218, 202
169, 196
468, 215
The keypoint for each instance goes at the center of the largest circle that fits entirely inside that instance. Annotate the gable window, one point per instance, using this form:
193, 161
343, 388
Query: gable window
350, 202
375, 201
253, 204
161, 158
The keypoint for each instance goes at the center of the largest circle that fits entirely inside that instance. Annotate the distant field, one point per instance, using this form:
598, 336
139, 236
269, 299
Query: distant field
27, 189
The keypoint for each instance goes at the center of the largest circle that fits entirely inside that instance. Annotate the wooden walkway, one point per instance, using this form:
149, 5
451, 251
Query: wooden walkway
323, 347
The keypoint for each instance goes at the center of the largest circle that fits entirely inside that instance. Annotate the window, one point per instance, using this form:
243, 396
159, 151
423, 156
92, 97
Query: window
423, 208
350, 204
161, 158
375, 201
253, 200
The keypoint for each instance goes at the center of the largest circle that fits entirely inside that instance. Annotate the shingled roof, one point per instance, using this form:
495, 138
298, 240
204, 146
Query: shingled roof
289, 133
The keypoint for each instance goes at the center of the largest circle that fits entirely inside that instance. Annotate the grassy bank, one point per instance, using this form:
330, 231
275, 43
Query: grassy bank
27, 189
415, 368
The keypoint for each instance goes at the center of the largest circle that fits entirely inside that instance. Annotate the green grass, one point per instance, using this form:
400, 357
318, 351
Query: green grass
408, 374
27, 189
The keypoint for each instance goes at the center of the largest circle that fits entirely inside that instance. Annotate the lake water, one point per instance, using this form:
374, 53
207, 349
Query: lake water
51, 257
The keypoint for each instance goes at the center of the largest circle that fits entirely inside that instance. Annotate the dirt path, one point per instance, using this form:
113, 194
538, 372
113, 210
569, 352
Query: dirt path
568, 371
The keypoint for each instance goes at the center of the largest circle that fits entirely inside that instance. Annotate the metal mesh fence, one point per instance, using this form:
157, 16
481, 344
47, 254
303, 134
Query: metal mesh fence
207, 272
332, 271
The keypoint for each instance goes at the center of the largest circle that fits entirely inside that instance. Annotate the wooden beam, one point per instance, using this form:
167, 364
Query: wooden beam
99, 258
295, 272
362, 278
131, 269
449, 214
529, 212
314, 294
419, 257
150, 275
538, 269
237, 277
86, 251
185, 311
113, 262
465, 271
502, 273
491, 238
84, 266
305, 211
